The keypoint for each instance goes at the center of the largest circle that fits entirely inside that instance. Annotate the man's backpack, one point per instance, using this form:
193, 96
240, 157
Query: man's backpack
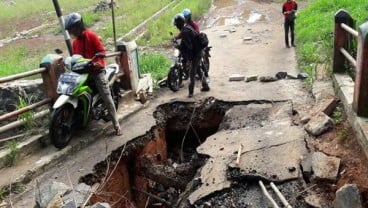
202, 40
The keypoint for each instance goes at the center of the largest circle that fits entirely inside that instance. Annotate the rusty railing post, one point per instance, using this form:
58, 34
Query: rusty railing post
123, 61
341, 39
360, 102
54, 68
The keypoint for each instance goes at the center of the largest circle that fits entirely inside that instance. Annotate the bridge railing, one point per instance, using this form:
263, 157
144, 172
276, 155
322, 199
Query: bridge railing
343, 35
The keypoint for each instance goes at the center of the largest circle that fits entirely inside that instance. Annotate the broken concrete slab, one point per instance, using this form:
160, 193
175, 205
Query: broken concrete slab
326, 106
323, 90
314, 201
348, 196
236, 77
319, 124
49, 192
325, 167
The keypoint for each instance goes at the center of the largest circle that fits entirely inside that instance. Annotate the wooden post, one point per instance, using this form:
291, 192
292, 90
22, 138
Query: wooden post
341, 39
360, 102
54, 68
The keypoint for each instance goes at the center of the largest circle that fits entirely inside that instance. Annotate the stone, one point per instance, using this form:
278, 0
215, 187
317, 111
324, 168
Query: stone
101, 205
325, 167
290, 76
236, 77
267, 79
305, 119
44, 197
319, 124
313, 201
247, 38
80, 195
251, 78
326, 106
281, 75
348, 196
302, 75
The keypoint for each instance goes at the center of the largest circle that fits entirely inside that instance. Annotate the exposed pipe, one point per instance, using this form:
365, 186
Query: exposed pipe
265, 192
279, 194
62, 23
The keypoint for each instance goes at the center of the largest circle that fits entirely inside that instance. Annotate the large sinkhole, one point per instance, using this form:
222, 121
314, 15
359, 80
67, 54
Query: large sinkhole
154, 170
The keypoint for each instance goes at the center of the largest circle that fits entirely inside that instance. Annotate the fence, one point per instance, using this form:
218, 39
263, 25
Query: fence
343, 34
51, 68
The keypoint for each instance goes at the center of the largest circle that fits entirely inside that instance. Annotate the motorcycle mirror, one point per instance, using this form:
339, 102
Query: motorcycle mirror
58, 51
100, 55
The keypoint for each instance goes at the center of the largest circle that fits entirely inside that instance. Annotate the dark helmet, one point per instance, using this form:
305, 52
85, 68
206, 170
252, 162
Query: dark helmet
73, 19
179, 20
187, 14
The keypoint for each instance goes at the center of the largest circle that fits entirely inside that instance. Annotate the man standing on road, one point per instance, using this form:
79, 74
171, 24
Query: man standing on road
190, 49
289, 9
87, 44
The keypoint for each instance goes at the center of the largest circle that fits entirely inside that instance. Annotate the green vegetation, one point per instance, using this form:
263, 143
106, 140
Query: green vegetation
156, 64
337, 116
342, 134
26, 117
2, 194
314, 32
10, 158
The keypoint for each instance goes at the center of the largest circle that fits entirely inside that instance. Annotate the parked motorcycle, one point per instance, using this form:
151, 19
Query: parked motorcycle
179, 70
78, 100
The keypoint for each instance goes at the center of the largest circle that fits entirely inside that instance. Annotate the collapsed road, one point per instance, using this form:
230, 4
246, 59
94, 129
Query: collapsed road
213, 150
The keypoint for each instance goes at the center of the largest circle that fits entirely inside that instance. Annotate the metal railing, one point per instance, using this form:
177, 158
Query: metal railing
50, 73
343, 35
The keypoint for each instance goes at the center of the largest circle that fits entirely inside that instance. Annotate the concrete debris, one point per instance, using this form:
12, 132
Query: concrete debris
325, 167
302, 75
313, 201
326, 106
236, 77
319, 124
348, 196
251, 78
101, 205
323, 90
48, 193
80, 195
281, 75
305, 119
247, 38
267, 79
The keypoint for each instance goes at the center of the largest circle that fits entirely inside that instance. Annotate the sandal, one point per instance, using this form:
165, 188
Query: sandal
118, 131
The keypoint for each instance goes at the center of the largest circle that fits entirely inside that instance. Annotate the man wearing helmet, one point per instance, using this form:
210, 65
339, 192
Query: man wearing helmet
190, 49
87, 44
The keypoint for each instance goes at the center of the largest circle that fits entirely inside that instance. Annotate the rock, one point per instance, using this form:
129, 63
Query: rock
44, 197
281, 75
302, 75
251, 78
267, 79
80, 195
319, 124
247, 38
289, 76
348, 196
325, 167
313, 201
236, 77
305, 119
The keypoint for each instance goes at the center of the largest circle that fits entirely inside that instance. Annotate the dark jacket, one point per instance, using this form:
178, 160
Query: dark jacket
189, 45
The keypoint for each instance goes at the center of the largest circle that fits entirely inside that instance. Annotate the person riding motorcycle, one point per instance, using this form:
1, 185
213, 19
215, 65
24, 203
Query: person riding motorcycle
190, 49
87, 44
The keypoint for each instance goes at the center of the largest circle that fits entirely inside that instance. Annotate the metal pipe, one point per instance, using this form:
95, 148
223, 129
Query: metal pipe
18, 123
348, 57
349, 29
21, 75
279, 194
62, 23
118, 53
25, 109
113, 23
265, 192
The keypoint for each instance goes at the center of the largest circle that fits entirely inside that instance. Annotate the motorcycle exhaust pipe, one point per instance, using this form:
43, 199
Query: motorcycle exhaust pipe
62, 23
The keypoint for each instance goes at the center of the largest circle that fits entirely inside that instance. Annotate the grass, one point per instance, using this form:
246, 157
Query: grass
337, 115
155, 63
10, 158
314, 32
27, 117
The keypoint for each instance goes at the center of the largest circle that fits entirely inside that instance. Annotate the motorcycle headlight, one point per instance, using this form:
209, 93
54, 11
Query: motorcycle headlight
69, 82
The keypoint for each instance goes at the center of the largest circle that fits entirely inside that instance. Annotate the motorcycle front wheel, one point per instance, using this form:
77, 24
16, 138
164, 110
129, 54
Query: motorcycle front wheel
61, 126
174, 79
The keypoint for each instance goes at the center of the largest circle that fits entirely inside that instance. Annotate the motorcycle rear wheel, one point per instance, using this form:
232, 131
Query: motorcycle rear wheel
174, 79
61, 126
